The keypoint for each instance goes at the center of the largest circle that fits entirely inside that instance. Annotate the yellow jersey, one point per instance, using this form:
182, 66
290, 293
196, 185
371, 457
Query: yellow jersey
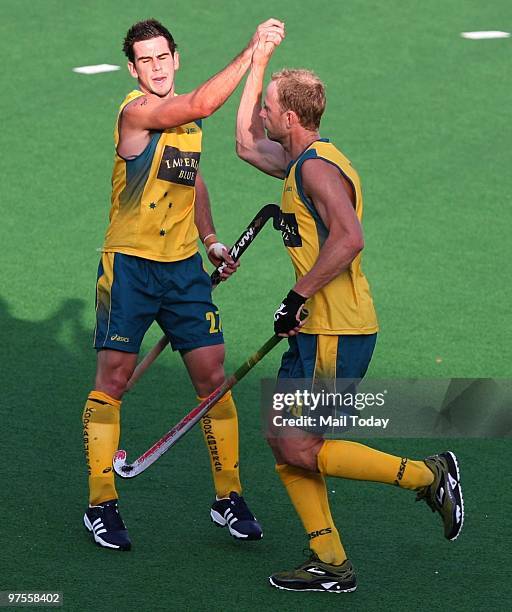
153, 195
345, 305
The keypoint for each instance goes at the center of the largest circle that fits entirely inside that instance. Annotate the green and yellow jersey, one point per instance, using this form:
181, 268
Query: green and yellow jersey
153, 195
345, 305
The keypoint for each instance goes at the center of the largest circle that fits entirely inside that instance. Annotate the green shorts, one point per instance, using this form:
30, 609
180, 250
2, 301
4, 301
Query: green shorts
132, 292
322, 364
314, 356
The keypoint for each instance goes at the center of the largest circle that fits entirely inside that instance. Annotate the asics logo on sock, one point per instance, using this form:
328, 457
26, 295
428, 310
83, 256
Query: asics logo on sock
320, 532
116, 338
401, 470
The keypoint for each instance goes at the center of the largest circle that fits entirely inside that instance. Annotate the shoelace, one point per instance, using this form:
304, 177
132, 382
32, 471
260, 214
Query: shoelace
242, 511
111, 518
311, 557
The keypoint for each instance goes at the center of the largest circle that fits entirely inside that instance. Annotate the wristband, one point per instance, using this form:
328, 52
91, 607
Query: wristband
213, 235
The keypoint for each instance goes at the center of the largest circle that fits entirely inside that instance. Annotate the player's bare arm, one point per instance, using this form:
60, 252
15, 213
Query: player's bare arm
154, 66
216, 251
332, 197
202, 210
252, 144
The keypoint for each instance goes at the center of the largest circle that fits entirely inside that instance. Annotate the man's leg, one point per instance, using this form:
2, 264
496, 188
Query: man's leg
302, 464
125, 309
303, 461
101, 423
101, 419
328, 568
220, 430
192, 323
220, 425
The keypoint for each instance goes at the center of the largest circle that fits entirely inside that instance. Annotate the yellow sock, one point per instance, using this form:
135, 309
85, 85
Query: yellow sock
220, 431
101, 440
308, 493
358, 462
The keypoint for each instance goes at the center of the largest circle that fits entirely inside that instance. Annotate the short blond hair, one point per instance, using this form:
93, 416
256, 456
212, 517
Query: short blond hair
302, 92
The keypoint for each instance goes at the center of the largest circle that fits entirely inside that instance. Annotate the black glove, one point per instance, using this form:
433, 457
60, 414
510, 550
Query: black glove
286, 317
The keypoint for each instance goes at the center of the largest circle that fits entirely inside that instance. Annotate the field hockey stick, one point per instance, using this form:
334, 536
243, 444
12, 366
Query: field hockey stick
130, 470
269, 211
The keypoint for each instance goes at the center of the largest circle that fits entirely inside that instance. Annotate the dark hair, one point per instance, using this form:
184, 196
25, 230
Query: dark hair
144, 30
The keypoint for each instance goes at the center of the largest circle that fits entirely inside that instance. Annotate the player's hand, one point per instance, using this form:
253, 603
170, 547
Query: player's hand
264, 50
219, 255
287, 318
268, 35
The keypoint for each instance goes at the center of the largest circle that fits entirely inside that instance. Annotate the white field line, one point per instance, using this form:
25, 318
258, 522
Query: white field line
96, 69
485, 35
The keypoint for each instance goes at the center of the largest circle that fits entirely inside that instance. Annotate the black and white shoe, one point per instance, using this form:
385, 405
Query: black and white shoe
234, 513
315, 575
444, 495
106, 525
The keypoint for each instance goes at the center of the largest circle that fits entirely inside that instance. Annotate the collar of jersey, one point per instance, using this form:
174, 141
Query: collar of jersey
294, 161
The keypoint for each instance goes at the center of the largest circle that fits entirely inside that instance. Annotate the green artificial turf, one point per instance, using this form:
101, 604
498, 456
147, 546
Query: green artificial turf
424, 115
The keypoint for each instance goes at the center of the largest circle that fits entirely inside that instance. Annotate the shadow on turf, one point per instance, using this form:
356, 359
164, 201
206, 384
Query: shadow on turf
47, 371
55, 356
48, 368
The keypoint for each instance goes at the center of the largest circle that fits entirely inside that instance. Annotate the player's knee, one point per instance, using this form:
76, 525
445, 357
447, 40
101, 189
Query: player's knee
282, 450
210, 380
113, 382
297, 452
114, 370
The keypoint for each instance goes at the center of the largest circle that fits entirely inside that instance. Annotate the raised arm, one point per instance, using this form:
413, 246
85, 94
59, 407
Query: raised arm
153, 113
252, 144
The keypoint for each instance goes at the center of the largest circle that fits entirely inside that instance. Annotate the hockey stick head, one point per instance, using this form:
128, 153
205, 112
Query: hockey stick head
121, 467
275, 212
269, 211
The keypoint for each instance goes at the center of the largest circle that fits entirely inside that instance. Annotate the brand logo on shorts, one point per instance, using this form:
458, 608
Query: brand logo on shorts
116, 338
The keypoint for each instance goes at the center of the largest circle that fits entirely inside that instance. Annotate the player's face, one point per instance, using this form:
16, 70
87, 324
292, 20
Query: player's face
272, 114
154, 66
